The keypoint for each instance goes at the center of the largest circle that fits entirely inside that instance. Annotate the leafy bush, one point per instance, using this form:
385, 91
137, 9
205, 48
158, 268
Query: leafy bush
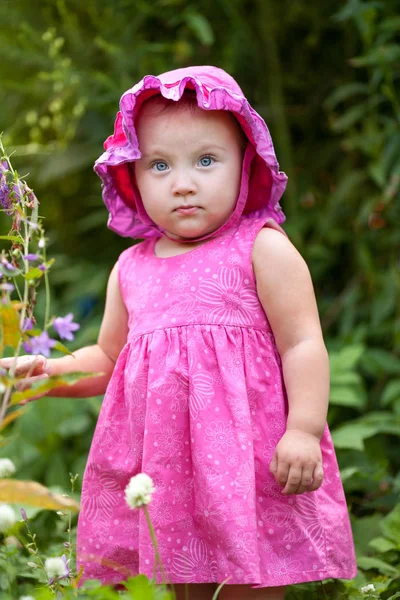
327, 84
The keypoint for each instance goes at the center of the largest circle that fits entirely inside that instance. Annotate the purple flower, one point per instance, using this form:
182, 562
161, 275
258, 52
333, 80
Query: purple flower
7, 287
27, 324
24, 515
31, 256
64, 326
3, 167
17, 192
8, 265
42, 267
67, 569
5, 199
40, 344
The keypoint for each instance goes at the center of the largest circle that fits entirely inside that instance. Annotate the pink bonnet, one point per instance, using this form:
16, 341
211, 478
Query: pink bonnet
262, 182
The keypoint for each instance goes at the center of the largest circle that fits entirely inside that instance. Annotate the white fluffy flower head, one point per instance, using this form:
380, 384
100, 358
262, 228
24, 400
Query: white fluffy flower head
368, 588
26, 598
55, 567
7, 467
8, 518
139, 490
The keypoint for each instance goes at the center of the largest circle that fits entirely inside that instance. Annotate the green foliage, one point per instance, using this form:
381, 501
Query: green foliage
325, 77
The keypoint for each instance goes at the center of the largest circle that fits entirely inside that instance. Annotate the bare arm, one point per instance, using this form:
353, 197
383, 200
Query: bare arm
99, 358
285, 290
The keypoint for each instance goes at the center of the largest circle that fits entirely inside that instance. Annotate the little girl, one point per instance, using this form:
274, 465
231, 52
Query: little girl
216, 376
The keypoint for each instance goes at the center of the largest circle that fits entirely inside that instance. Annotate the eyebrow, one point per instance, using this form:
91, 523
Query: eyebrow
204, 148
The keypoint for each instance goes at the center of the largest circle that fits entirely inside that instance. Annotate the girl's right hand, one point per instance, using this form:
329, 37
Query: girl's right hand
30, 369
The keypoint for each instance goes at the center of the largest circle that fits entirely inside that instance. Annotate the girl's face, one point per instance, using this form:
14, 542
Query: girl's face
190, 171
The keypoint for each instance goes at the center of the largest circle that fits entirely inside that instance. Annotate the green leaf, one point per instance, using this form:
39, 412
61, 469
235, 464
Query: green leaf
348, 473
349, 118
368, 562
347, 358
347, 396
11, 238
345, 378
34, 273
75, 425
9, 326
379, 362
39, 388
390, 525
382, 55
391, 392
11, 416
201, 27
382, 545
141, 588
385, 302
352, 434
391, 24
61, 348
34, 494
49, 263
343, 92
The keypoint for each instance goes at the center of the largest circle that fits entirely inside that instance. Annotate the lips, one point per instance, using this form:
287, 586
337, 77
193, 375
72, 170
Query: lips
187, 210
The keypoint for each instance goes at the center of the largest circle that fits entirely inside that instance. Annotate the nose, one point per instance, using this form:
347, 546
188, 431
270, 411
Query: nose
183, 184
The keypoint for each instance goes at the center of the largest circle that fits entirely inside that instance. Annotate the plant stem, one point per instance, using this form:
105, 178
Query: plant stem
323, 589
48, 298
157, 557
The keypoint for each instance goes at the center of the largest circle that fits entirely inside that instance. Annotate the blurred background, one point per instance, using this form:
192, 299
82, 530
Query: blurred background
325, 76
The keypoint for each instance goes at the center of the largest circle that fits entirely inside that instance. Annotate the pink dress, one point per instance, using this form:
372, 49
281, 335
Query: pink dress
197, 402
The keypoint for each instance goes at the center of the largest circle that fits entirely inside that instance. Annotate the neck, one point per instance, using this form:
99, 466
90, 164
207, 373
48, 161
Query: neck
166, 246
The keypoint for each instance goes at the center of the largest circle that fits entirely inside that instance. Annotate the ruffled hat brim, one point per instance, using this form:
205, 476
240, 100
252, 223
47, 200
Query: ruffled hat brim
215, 90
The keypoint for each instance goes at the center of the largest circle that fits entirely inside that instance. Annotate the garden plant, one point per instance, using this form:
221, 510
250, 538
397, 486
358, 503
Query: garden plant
338, 138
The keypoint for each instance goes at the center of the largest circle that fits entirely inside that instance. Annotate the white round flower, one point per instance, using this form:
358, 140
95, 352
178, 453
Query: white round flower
139, 490
7, 467
368, 588
7, 517
26, 598
55, 567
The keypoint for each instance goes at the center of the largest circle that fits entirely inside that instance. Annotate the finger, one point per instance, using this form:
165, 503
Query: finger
6, 362
26, 383
9, 362
318, 477
282, 472
34, 365
273, 464
293, 480
306, 479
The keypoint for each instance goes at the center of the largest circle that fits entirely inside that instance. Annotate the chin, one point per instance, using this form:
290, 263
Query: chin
189, 234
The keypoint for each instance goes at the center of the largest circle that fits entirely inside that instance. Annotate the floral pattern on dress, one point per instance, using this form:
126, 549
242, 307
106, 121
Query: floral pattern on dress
197, 401
228, 298
194, 563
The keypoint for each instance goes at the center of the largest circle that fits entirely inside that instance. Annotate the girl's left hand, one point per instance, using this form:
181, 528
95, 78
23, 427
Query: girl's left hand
297, 462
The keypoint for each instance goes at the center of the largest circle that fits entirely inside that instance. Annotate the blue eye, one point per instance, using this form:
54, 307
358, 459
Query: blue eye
160, 166
206, 161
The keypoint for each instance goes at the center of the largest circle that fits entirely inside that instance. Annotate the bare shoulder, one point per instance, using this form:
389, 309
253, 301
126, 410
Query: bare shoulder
285, 289
114, 327
273, 251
